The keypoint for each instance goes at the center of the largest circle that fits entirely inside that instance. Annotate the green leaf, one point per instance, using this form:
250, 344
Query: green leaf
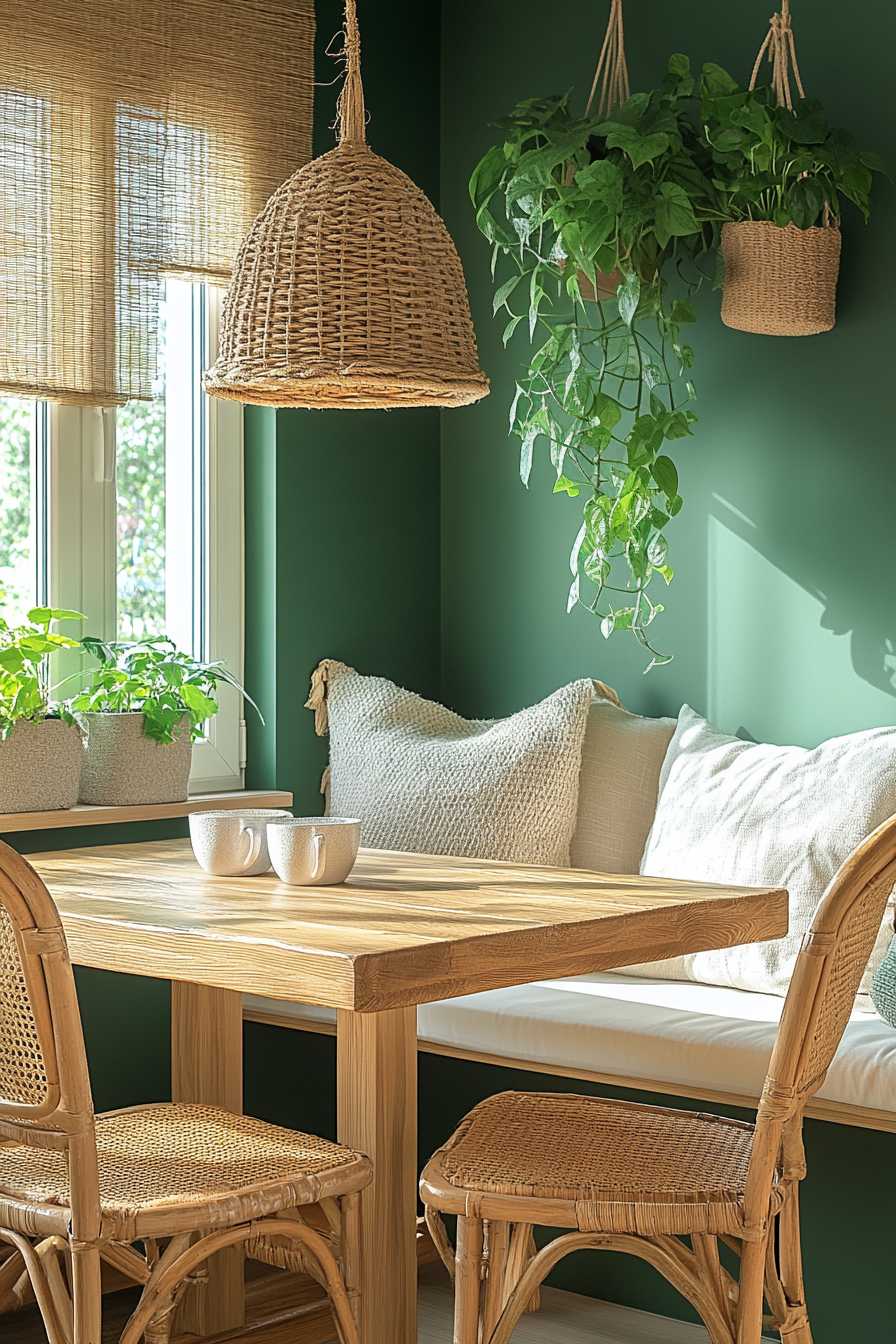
576, 548
504, 292
673, 212
717, 82
807, 124
683, 311
573, 597
665, 474
563, 483
526, 454
509, 330
44, 615
877, 164
639, 148
627, 296
607, 410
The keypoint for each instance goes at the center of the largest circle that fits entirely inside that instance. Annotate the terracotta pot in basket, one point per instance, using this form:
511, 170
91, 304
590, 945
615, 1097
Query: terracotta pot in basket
124, 768
779, 281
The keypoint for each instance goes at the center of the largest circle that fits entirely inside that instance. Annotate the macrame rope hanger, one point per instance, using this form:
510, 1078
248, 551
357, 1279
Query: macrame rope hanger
350, 110
614, 87
782, 55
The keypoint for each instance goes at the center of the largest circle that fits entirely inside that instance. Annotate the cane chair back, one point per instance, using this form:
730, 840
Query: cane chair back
43, 1066
45, 1099
819, 1002
199, 1177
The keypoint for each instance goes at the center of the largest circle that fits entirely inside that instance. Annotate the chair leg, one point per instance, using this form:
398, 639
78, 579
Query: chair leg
468, 1280
751, 1292
87, 1297
495, 1286
795, 1327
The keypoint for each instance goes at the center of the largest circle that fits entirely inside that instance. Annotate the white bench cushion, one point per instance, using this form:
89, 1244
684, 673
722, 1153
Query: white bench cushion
688, 1035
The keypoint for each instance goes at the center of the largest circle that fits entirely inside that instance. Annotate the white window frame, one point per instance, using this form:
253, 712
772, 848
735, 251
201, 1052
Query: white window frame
80, 543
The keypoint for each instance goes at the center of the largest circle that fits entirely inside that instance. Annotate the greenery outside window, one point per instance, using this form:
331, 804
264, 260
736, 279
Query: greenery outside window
135, 516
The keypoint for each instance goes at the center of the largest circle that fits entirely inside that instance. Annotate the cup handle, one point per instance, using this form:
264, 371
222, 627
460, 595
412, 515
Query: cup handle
255, 838
319, 841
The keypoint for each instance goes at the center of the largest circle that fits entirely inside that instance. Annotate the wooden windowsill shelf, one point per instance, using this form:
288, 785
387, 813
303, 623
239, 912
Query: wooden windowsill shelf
84, 815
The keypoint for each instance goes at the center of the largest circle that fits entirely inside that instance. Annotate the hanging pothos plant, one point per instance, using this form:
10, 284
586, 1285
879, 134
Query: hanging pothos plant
570, 201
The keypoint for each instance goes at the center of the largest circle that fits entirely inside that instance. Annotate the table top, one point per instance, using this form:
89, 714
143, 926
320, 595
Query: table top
404, 929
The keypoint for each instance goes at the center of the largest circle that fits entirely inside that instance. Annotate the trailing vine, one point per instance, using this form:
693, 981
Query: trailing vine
591, 210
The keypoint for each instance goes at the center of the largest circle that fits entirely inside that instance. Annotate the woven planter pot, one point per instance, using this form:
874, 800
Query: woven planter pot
779, 282
123, 768
40, 766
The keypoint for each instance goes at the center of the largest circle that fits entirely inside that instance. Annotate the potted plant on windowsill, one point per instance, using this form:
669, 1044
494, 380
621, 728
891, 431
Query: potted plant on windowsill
40, 750
141, 709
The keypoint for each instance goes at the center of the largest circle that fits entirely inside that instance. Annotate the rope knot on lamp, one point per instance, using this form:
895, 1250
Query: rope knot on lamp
348, 291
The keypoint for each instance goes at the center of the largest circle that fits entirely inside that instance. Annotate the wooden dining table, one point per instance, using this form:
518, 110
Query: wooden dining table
404, 929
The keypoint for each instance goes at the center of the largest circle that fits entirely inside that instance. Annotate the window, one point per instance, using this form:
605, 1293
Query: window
134, 516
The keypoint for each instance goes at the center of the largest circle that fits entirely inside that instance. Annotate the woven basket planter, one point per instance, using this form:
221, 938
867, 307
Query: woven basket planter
40, 766
124, 768
780, 281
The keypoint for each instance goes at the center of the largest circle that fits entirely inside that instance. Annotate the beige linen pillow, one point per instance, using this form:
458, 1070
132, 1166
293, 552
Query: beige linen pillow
423, 779
750, 814
622, 756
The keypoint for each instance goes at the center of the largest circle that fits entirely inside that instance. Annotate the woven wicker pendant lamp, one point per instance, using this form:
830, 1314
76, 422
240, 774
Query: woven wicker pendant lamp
348, 291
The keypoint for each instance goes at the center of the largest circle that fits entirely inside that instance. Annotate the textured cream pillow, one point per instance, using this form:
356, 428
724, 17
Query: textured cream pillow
425, 780
755, 814
622, 756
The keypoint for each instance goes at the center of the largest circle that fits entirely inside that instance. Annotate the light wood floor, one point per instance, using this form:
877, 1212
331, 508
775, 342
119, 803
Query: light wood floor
564, 1318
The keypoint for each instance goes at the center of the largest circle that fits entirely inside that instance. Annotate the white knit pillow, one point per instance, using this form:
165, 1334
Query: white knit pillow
749, 813
424, 780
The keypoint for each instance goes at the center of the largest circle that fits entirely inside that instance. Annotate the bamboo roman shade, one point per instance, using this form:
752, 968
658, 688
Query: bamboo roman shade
136, 140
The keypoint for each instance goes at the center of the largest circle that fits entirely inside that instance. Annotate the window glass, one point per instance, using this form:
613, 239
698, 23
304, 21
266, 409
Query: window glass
140, 490
18, 552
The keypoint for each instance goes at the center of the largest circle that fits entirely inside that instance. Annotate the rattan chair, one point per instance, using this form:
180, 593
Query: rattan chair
182, 1181
639, 1179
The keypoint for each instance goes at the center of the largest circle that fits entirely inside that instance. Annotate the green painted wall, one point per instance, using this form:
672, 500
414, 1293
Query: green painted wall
782, 614
342, 544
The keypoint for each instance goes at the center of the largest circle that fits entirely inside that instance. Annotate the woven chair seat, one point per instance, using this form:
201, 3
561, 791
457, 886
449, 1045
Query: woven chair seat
154, 1160
622, 1166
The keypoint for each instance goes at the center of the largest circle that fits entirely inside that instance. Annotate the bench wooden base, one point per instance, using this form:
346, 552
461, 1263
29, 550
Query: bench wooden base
819, 1108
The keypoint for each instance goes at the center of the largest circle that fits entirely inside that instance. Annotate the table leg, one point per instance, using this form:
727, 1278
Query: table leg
207, 1066
377, 1113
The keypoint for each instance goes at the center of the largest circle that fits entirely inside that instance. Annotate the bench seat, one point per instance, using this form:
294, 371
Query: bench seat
686, 1039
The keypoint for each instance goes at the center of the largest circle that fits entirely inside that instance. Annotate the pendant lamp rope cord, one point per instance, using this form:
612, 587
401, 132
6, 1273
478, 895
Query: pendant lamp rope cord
350, 108
782, 55
614, 86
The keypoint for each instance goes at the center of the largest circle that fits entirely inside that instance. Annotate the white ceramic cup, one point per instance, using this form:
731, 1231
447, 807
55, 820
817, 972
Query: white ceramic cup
313, 851
233, 844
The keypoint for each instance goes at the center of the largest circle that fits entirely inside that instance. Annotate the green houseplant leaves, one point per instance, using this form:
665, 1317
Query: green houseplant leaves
771, 163
588, 212
24, 664
152, 677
